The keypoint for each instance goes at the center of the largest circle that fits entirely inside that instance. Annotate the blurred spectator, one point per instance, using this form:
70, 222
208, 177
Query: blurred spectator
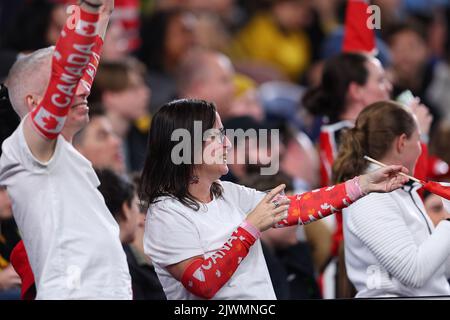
211, 33
115, 46
166, 37
289, 260
440, 145
350, 82
120, 89
438, 92
5, 204
9, 236
247, 101
276, 38
100, 144
411, 66
126, 12
247, 155
224, 9
297, 145
37, 25
435, 208
207, 75
122, 201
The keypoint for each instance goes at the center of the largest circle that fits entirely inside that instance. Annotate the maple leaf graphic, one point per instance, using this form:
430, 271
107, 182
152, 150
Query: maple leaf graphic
89, 28
50, 122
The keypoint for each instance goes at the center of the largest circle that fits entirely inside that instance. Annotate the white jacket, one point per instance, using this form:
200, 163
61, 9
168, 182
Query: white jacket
392, 247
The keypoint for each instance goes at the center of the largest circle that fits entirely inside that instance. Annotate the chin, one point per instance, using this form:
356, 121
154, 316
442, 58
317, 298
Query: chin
224, 170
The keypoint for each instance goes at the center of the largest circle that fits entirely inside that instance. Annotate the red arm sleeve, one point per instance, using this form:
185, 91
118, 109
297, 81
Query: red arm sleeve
73, 53
91, 69
317, 204
204, 277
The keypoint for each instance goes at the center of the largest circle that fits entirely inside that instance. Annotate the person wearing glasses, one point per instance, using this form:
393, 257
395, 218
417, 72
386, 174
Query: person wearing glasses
202, 234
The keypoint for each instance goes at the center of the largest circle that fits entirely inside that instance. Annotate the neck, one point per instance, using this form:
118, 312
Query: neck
351, 113
391, 160
68, 134
124, 238
201, 190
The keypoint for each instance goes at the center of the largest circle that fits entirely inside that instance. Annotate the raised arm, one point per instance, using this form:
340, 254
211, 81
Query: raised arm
73, 53
91, 69
317, 204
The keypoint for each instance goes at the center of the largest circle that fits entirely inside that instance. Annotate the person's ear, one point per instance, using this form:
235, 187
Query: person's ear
400, 143
31, 102
354, 92
126, 211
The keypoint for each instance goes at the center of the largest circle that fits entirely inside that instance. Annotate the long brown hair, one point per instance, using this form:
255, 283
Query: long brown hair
375, 129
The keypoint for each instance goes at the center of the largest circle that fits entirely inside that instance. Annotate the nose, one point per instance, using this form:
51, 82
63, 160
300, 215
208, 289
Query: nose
82, 90
227, 143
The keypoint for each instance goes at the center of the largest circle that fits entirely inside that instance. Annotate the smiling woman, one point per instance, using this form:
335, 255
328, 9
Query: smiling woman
202, 234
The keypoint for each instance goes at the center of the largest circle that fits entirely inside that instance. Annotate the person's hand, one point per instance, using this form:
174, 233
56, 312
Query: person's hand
423, 115
107, 9
9, 278
91, 5
386, 179
104, 14
269, 211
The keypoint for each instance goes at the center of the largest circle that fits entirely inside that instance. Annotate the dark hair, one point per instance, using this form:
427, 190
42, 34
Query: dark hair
9, 120
329, 98
161, 177
414, 25
116, 190
376, 128
153, 34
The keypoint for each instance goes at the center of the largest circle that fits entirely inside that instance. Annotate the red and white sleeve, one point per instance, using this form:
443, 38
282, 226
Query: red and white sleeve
73, 53
204, 277
320, 203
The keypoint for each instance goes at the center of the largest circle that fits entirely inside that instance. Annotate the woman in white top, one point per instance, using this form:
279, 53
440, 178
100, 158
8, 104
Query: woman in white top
201, 233
391, 245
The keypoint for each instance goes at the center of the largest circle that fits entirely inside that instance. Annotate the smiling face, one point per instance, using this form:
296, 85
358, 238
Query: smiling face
215, 152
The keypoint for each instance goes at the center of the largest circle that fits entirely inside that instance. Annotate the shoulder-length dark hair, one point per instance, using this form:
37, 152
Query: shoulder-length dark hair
161, 176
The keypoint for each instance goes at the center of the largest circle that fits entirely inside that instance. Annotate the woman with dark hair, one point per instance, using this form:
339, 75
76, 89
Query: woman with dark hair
201, 233
391, 245
350, 82
166, 36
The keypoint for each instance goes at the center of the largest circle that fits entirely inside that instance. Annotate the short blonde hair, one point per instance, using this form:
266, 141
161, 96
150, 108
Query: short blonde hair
30, 74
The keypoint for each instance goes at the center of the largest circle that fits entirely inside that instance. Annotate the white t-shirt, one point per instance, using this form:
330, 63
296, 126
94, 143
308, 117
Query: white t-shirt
70, 236
174, 232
